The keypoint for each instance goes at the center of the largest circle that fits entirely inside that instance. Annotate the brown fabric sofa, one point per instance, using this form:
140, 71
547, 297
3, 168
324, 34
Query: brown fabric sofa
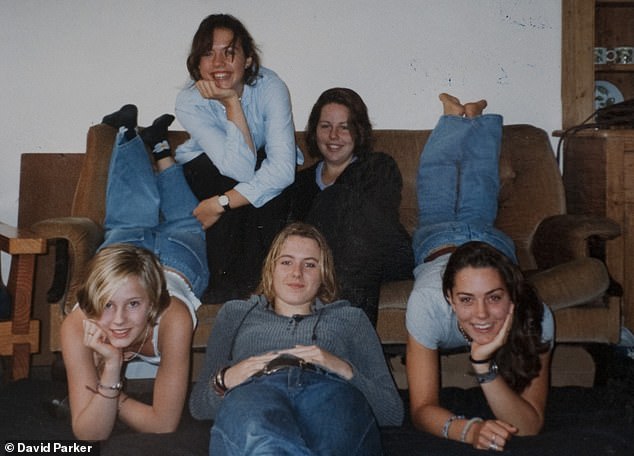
552, 247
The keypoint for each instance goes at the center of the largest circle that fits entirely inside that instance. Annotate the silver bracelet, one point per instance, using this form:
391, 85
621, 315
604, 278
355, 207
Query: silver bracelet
116, 387
451, 419
467, 426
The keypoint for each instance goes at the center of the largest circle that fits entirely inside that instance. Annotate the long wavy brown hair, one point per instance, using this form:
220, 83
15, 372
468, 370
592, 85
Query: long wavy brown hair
518, 360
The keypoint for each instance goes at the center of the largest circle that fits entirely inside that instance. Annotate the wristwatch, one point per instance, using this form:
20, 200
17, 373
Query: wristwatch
223, 200
488, 376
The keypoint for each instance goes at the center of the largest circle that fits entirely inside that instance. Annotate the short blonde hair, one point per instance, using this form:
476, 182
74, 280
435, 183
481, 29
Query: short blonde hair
328, 291
114, 264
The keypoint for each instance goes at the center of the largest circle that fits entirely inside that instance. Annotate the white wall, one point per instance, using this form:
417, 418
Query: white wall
66, 63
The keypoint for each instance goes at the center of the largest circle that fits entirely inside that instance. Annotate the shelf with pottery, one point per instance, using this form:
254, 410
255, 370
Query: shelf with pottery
613, 31
613, 87
586, 25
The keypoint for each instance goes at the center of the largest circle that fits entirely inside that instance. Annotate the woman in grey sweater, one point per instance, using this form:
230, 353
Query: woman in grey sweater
293, 370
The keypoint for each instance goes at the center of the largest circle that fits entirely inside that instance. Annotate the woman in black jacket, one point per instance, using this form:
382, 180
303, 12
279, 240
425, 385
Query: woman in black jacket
352, 195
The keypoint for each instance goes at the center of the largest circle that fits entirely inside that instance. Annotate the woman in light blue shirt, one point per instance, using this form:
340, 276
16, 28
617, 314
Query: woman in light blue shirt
241, 154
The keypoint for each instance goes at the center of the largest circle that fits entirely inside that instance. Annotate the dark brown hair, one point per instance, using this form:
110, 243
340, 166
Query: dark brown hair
203, 41
358, 122
518, 360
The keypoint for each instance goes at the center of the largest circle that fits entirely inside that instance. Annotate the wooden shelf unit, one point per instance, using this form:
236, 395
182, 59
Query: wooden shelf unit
585, 25
599, 164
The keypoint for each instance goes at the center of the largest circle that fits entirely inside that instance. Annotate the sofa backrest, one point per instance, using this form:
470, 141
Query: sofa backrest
531, 184
532, 188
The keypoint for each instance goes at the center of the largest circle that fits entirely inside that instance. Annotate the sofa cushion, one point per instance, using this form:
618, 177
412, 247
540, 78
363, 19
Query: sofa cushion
392, 307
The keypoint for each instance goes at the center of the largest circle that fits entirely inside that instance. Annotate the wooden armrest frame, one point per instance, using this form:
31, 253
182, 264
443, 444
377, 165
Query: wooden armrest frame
20, 336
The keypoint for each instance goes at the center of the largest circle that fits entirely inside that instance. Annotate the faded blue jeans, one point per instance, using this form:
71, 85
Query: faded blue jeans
154, 211
295, 412
457, 186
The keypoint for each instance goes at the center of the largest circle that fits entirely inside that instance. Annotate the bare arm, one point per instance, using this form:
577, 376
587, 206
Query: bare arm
170, 386
423, 379
93, 412
525, 410
423, 376
209, 210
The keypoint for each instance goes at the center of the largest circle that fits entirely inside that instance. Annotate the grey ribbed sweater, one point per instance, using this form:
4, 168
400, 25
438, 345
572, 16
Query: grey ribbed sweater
247, 328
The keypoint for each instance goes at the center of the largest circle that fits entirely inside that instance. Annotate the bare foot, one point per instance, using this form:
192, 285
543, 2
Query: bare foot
451, 105
475, 108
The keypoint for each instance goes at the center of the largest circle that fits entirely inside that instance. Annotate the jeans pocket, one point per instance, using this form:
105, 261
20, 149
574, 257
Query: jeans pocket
192, 242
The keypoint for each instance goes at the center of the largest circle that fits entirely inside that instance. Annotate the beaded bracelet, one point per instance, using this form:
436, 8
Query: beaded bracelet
467, 426
451, 419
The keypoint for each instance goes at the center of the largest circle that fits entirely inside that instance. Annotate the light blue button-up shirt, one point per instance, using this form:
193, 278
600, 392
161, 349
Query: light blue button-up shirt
267, 108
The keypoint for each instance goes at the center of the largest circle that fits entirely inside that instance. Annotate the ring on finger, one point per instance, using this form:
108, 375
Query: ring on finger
493, 446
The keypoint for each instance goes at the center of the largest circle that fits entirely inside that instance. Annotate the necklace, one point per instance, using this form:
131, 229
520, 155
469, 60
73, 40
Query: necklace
464, 334
129, 357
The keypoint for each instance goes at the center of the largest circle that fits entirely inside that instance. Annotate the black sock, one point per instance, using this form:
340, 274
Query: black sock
157, 133
124, 117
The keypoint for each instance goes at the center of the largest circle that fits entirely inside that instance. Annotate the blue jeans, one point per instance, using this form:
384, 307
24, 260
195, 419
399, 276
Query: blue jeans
458, 184
295, 412
154, 211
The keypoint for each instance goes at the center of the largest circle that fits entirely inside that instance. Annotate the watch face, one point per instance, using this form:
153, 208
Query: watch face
223, 200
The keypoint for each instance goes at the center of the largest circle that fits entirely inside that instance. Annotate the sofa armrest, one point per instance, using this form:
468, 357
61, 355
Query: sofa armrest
83, 237
562, 238
578, 282
17, 241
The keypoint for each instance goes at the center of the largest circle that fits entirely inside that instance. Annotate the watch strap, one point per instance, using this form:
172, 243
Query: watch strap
223, 200
488, 376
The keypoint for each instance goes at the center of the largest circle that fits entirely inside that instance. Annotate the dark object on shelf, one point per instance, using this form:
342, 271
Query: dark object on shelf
618, 115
